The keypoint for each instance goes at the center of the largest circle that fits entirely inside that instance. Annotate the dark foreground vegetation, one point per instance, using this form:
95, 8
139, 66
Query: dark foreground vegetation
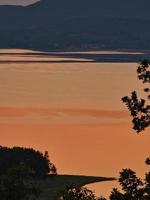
20, 168
36, 163
27, 174
55, 188
133, 188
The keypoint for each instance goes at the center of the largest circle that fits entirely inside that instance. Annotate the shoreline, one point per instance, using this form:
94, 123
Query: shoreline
14, 56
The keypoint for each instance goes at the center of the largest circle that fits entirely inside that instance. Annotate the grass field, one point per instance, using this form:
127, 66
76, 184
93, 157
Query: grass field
52, 186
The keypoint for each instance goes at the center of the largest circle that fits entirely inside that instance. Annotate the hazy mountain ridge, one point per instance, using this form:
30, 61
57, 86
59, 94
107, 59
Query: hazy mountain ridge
61, 24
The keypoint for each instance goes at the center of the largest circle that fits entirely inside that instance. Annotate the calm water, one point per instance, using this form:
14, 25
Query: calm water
74, 111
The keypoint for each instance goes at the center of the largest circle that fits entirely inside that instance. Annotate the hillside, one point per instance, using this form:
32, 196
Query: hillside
54, 185
70, 24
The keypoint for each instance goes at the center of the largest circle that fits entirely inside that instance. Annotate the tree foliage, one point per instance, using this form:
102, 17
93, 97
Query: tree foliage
17, 184
77, 193
20, 170
133, 188
37, 163
140, 108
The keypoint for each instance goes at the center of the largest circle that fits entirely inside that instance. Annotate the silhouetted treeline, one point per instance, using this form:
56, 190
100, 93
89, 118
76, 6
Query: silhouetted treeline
37, 163
21, 170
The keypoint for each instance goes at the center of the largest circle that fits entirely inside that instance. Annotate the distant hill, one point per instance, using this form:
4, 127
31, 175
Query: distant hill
76, 24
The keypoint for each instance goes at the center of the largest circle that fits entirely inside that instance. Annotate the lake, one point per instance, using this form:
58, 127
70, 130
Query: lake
71, 106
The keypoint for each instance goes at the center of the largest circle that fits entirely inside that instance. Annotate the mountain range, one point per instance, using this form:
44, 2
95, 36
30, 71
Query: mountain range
76, 24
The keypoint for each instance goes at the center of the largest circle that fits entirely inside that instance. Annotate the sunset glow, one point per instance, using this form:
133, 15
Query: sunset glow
75, 112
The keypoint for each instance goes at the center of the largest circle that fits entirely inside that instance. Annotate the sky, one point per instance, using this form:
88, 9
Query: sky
16, 2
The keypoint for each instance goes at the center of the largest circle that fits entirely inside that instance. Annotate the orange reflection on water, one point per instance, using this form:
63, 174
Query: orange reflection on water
74, 111
101, 150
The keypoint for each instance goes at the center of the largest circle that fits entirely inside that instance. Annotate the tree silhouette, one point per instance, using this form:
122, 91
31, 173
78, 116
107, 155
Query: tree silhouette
21, 170
133, 188
140, 108
38, 163
77, 193
17, 184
